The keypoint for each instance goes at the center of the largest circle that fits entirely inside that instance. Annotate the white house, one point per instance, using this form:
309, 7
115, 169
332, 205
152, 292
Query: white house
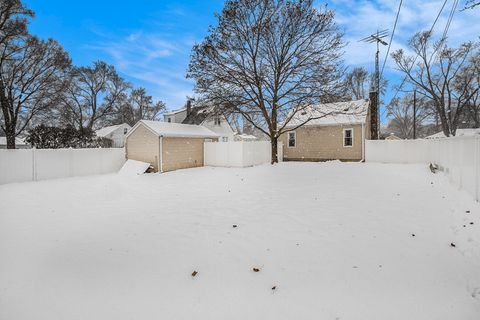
203, 116
115, 133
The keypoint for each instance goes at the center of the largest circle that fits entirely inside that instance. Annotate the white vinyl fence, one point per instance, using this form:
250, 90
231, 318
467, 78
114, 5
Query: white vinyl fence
239, 153
458, 157
42, 164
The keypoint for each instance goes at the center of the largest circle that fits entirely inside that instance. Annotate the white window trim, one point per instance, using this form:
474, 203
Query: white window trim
288, 139
351, 129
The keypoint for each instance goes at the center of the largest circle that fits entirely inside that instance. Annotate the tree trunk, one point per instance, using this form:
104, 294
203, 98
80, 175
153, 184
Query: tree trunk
10, 135
274, 144
9, 128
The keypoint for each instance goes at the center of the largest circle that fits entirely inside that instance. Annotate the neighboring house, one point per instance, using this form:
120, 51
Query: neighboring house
472, 132
203, 116
244, 137
115, 133
19, 143
392, 136
168, 146
340, 133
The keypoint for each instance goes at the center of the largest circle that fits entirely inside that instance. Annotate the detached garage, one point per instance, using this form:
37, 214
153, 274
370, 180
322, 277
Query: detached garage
167, 146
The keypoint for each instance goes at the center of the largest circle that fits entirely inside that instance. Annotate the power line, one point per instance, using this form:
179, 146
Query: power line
445, 31
431, 29
449, 21
391, 38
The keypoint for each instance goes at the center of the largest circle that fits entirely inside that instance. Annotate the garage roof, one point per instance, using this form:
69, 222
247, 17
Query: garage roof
169, 129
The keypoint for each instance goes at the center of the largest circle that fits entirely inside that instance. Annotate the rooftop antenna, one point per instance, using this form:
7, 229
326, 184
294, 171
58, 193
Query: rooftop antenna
378, 39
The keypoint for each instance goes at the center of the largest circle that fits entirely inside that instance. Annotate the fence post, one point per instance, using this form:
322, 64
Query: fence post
462, 162
476, 159
34, 165
70, 168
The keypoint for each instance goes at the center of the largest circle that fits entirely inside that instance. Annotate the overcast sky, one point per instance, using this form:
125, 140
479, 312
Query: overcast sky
149, 42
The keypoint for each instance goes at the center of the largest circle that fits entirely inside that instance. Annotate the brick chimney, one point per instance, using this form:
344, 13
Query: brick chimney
373, 98
189, 106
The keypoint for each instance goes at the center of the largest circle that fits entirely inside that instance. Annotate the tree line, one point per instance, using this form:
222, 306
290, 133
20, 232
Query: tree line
40, 85
264, 62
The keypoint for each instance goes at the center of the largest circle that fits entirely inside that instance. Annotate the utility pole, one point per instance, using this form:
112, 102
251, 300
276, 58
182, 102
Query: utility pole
415, 114
378, 39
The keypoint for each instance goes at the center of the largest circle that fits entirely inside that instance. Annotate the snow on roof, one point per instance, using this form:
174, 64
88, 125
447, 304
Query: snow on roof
246, 136
103, 132
18, 141
330, 114
170, 129
174, 112
459, 133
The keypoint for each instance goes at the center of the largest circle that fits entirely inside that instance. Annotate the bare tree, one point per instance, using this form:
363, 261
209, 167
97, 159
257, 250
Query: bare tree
13, 20
471, 115
92, 95
401, 111
356, 83
139, 106
13, 25
268, 60
470, 4
359, 82
435, 70
32, 73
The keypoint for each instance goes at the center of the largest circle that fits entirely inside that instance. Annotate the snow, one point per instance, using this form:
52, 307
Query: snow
329, 114
170, 129
105, 131
133, 167
334, 239
459, 133
171, 113
243, 136
18, 141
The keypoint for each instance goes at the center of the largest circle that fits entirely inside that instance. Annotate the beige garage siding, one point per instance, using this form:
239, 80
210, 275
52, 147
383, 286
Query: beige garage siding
143, 145
323, 143
181, 153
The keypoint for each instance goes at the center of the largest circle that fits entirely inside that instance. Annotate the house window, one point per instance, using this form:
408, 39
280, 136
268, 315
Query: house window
225, 139
217, 121
348, 137
169, 120
125, 130
292, 139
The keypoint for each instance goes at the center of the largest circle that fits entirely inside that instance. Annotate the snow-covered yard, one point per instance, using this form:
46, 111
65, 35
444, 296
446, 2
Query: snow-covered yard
331, 241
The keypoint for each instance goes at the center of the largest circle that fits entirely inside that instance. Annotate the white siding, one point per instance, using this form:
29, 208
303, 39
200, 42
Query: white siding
223, 129
177, 117
118, 136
